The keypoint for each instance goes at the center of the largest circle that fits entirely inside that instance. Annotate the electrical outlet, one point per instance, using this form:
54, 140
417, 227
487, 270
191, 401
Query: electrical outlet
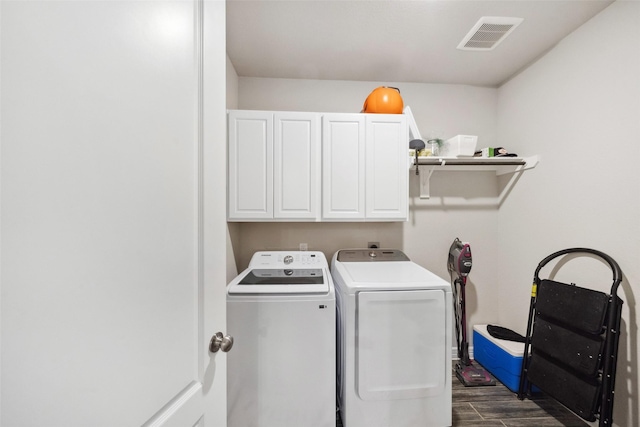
373, 245
304, 247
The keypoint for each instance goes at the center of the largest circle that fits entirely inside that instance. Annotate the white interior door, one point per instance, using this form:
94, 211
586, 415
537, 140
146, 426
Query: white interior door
108, 259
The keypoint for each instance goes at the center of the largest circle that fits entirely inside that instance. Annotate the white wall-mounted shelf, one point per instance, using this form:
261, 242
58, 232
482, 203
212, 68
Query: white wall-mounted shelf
501, 165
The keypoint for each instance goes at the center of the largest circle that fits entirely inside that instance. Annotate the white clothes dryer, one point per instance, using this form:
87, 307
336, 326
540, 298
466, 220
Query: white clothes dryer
281, 313
394, 341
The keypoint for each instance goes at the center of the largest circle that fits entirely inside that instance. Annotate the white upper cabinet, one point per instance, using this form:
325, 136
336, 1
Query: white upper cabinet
296, 166
274, 166
250, 194
364, 164
290, 166
387, 179
343, 167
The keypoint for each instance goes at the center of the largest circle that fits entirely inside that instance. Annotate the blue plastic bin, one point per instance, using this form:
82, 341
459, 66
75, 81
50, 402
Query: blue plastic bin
500, 357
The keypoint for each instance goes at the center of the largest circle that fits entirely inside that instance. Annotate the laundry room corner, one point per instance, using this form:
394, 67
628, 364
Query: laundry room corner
571, 115
581, 111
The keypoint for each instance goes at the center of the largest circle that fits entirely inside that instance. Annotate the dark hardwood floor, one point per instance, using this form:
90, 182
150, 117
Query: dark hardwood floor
489, 406
497, 406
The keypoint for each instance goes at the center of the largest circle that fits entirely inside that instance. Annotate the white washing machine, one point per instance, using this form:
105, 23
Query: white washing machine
394, 341
281, 313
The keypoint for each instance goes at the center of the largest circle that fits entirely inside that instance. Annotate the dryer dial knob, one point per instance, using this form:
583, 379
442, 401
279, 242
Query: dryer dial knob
288, 259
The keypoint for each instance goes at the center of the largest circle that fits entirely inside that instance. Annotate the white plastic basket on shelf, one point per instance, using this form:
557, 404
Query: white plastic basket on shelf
461, 146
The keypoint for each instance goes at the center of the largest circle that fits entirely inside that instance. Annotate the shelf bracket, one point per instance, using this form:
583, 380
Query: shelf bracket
425, 177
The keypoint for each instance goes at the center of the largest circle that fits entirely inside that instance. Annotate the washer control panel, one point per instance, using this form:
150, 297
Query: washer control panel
288, 259
284, 272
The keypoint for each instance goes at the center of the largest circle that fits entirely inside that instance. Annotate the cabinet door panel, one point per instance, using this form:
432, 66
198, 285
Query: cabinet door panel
250, 165
343, 168
387, 167
296, 165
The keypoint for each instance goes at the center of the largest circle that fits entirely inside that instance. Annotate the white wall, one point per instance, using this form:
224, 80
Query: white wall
462, 205
232, 228
232, 86
579, 107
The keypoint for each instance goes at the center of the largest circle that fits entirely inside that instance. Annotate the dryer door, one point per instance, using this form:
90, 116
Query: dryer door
401, 344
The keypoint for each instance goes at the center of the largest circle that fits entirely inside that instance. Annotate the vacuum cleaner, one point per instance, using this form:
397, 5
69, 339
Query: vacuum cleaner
459, 265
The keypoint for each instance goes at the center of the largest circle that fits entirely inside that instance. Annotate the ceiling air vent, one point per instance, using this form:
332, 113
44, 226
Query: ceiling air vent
488, 32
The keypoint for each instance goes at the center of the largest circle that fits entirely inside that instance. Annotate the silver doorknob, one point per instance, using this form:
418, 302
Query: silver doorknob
220, 342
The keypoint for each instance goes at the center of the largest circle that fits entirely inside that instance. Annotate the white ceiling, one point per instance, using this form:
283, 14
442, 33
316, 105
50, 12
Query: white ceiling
393, 40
